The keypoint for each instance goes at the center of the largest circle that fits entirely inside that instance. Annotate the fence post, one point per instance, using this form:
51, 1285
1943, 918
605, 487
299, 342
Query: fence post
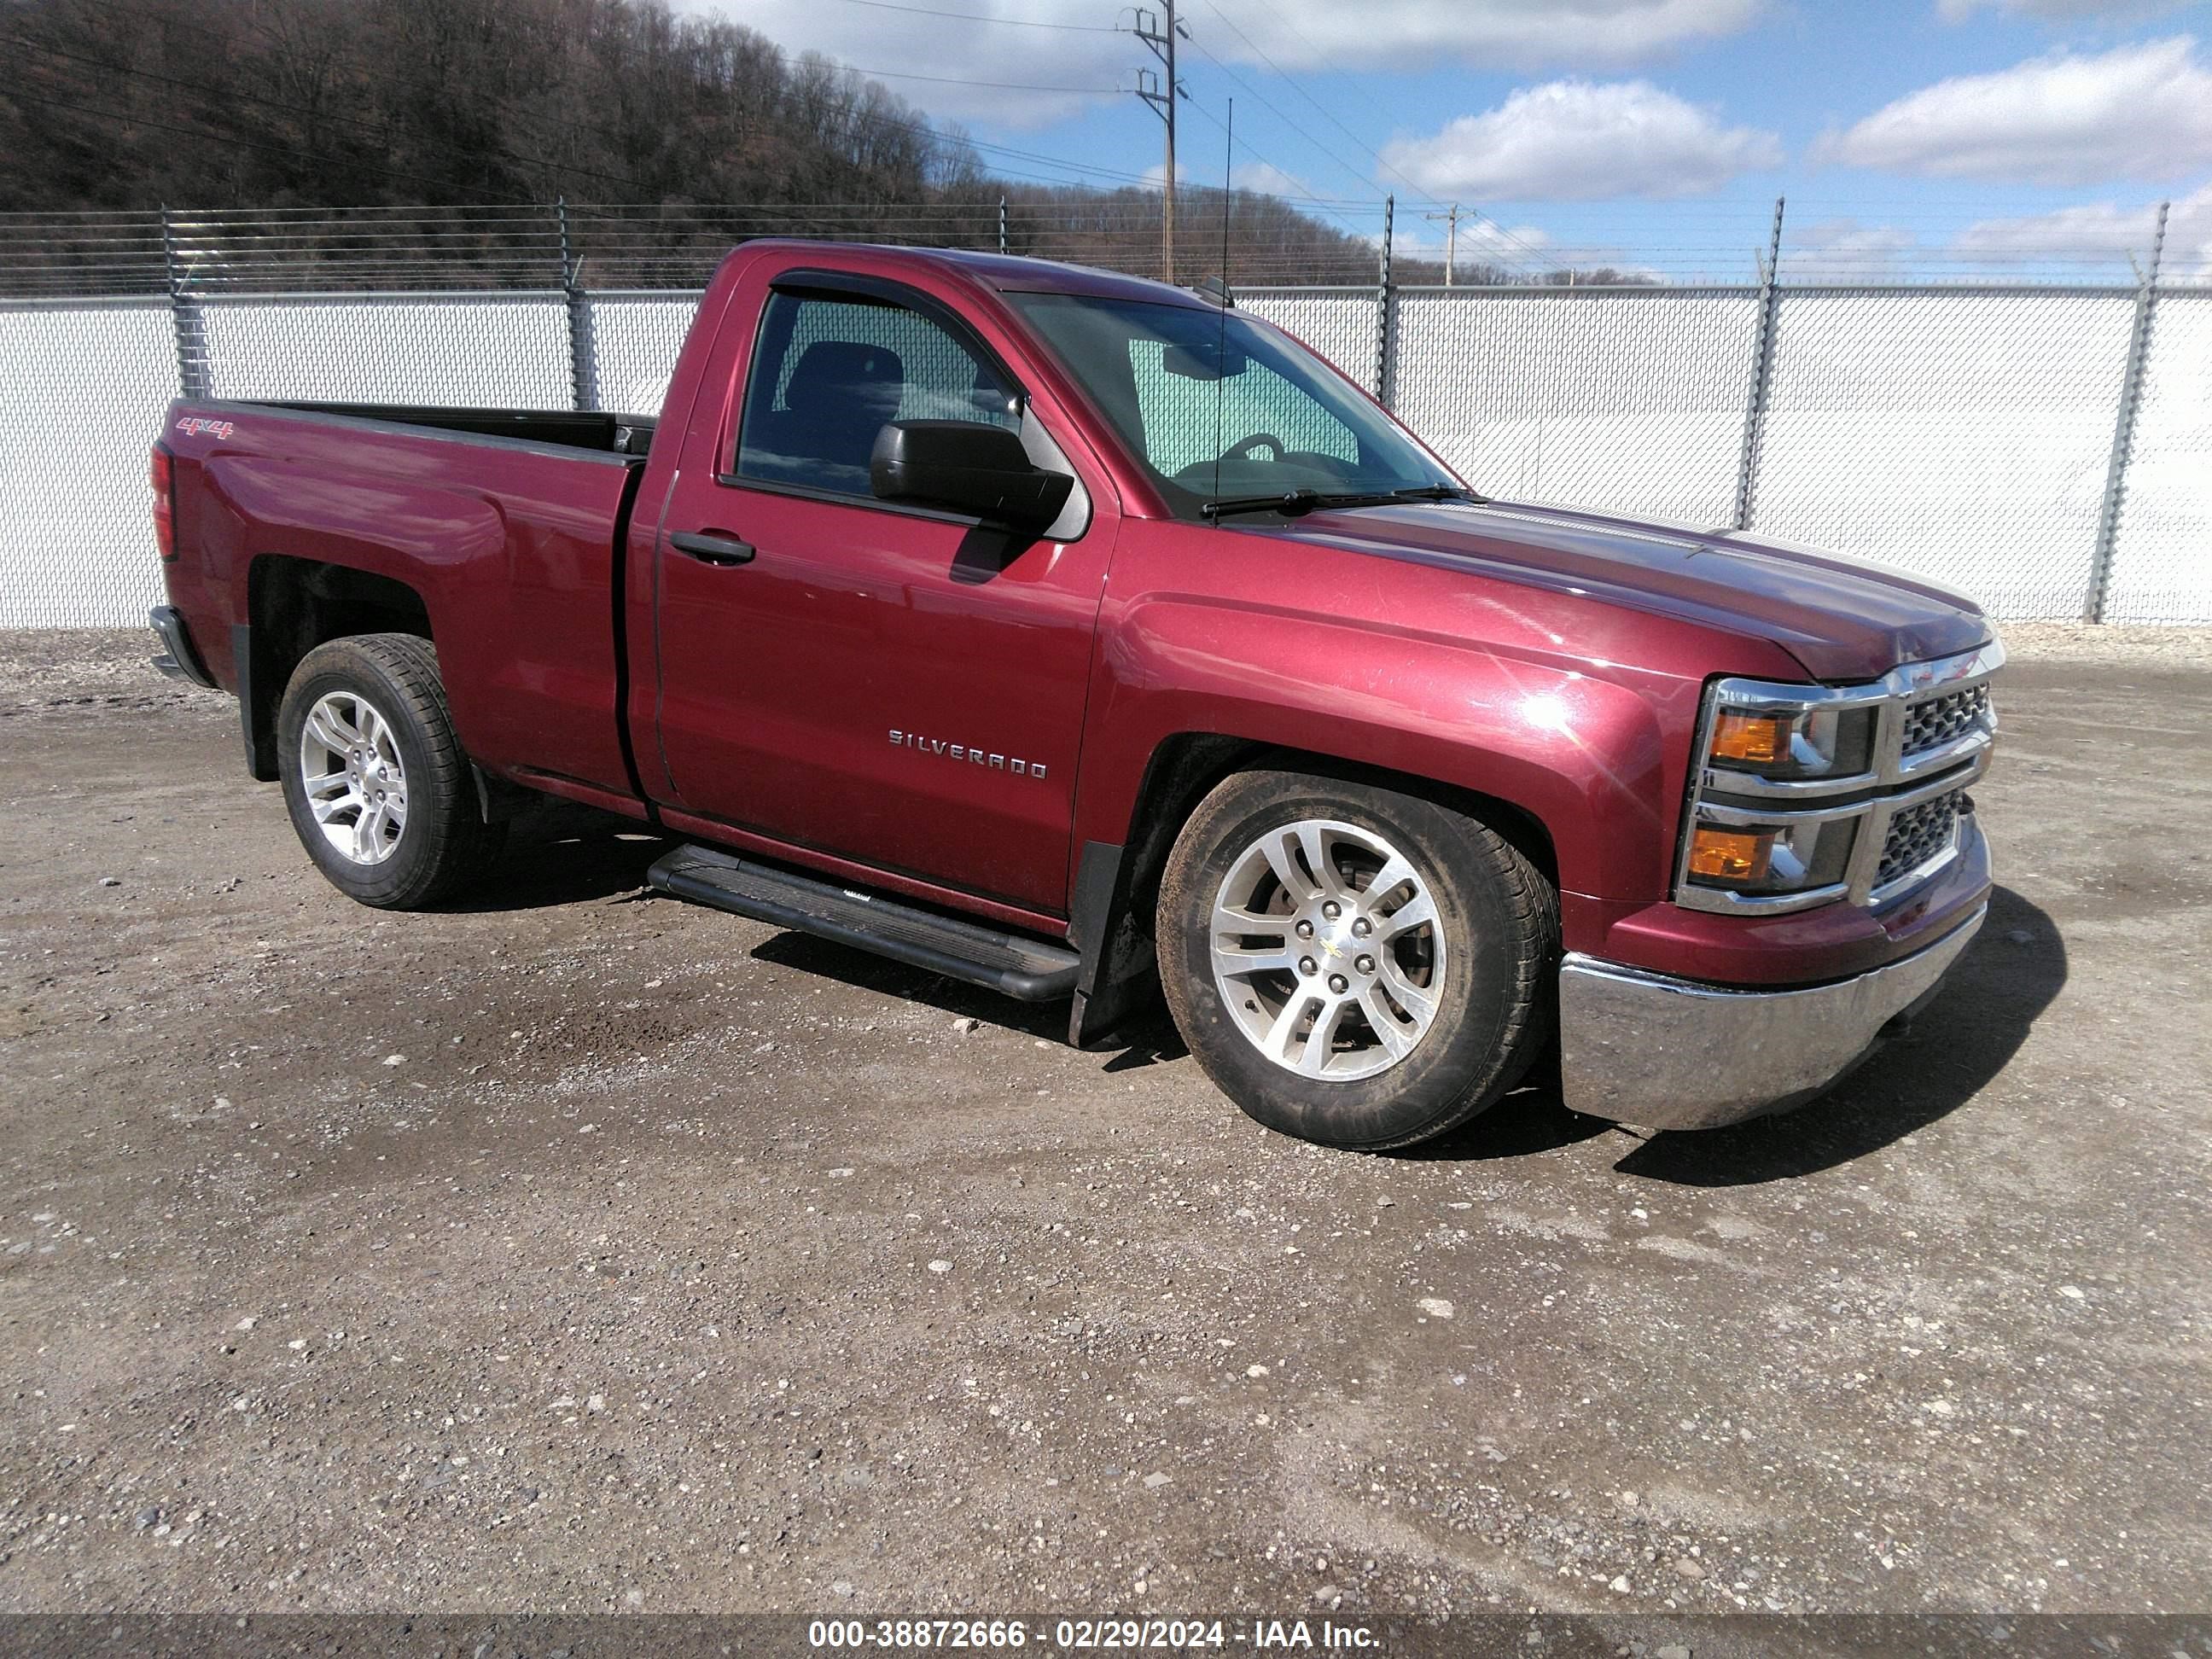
1002, 224
2124, 433
1762, 373
583, 383
193, 379
1385, 393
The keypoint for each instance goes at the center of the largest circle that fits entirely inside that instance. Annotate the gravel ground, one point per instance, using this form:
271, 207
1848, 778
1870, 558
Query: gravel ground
583, 1250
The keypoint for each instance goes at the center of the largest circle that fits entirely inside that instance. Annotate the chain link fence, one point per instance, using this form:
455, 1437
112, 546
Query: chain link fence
1962, 434
2048, 448
2161, 566
1627, 400
503, 349
84, 384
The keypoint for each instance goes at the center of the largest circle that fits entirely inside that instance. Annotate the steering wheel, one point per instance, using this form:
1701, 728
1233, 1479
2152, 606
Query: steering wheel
1243, 447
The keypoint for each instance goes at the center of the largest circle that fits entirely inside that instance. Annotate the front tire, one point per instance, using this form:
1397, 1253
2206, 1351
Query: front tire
376, 781
1352, 964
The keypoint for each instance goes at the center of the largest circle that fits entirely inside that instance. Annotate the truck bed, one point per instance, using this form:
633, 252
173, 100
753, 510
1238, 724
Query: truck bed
504, 524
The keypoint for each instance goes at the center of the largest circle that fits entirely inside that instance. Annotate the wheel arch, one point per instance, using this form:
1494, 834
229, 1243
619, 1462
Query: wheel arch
1116, 889
294, 604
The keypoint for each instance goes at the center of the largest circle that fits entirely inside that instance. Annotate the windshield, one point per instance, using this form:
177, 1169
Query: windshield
1219, 407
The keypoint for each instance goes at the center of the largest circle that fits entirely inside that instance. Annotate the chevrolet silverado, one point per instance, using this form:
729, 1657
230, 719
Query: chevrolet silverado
1072, 634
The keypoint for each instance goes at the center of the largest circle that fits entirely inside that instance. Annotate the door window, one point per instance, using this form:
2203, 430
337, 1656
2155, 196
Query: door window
828, 373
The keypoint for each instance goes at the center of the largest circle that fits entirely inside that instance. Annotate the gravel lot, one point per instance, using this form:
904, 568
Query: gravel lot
586, 1251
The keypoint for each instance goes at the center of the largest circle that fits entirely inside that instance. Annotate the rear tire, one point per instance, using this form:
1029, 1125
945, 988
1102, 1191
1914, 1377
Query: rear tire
1352, 964
378, 785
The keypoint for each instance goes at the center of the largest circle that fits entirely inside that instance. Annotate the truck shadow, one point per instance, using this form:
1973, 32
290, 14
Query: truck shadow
563, 852
2010, 974
2006, 979
827, 959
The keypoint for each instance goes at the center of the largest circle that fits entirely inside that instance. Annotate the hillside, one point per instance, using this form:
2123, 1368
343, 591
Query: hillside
211, 105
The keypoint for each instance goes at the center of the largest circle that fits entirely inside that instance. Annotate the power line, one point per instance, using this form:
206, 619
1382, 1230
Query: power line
1296, 87
1277, 113
1382, 161
931, 130
1312, 201
106, 67
369, 128
1002, 86
379, 132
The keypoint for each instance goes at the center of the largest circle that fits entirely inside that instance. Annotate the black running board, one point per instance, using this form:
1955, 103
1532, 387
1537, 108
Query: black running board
1030, 969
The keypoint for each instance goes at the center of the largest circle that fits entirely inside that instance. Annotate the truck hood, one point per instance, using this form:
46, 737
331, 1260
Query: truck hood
1842, 618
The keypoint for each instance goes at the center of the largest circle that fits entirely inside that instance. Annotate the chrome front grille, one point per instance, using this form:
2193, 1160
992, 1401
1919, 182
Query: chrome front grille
1939, 720
1917, 834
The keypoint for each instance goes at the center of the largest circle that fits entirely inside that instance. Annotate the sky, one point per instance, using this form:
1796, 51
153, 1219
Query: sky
1953, 137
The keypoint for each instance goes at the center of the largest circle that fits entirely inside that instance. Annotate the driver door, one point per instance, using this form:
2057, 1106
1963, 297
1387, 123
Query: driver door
889, 685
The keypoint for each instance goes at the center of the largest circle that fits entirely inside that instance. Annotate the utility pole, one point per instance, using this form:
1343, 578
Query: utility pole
1451, 238
1158, 30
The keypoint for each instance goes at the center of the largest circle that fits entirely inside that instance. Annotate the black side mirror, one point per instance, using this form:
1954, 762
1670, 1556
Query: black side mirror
966, 466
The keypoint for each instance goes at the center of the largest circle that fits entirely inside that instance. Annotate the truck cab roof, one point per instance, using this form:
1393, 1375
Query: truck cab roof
1003, 273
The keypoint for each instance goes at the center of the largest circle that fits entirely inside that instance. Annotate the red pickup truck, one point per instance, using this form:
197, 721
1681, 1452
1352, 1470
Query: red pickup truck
1074, 634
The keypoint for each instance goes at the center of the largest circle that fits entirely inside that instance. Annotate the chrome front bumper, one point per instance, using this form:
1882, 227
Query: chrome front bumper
1670, 1054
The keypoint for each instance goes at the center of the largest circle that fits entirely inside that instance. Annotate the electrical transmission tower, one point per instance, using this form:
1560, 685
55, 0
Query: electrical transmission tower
1158, 31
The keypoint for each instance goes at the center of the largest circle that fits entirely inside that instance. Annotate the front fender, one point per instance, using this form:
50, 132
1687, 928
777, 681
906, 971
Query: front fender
1581, 749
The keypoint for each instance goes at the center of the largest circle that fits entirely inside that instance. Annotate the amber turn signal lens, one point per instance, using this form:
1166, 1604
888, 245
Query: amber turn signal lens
1731, 854
1755, 739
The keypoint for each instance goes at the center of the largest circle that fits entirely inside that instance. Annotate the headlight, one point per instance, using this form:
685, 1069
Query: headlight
1787, 743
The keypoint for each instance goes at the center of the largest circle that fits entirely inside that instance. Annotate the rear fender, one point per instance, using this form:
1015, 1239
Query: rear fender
431, 542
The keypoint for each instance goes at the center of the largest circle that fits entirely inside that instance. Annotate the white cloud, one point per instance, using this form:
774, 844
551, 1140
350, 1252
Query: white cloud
1844, 250
1297, 35
1519, 246
2060, 11
1582, 141
1521, 33
2138, 111
1524, 248
2101, 228
998, 72
1266, 179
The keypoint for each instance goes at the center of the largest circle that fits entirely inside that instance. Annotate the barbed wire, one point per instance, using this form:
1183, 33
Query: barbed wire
97, 253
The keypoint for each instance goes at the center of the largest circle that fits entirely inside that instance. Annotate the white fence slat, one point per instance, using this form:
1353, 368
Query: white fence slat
84, 385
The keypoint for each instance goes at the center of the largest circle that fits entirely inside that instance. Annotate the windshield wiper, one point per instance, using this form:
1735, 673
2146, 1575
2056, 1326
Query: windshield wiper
1440, 492
1295, 503
1292, 504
